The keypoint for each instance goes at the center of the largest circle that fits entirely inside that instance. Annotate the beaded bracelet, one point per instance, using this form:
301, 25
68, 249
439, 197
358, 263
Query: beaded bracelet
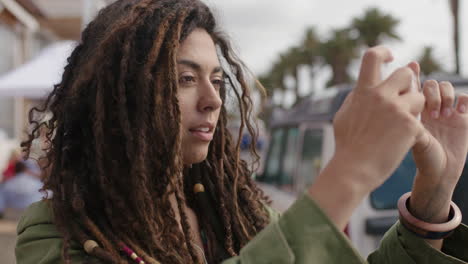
424, 229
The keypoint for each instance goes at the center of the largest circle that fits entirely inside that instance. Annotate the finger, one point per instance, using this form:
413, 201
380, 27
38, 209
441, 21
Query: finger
433, 100
462, 103
412, 102
447, 95
399, 82
417, 70
370, 74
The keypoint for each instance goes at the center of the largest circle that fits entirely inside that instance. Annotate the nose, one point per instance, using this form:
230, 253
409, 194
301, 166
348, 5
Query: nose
209, 98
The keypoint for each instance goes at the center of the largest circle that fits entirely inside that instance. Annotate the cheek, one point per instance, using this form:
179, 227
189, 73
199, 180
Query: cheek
185, 107
218, 112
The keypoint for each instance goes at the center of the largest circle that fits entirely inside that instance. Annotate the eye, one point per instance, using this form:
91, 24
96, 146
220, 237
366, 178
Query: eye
217, 83
187, 80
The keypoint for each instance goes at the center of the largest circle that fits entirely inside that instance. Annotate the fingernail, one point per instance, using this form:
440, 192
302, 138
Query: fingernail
447, 112
462, 108
435, 114
431, 85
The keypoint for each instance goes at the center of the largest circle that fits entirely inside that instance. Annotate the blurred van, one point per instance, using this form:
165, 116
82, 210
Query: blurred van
302, 142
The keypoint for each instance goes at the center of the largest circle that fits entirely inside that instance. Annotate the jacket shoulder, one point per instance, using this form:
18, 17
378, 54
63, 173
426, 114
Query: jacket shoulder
273, 214
39, 241
38, 213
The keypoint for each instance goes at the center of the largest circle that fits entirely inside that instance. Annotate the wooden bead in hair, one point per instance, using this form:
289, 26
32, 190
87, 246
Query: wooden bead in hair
198, 188
89, 246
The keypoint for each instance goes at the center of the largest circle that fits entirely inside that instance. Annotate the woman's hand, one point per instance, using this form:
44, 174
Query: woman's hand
439, 153
374, 129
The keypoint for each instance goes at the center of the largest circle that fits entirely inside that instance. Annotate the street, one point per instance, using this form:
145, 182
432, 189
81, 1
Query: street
8, 236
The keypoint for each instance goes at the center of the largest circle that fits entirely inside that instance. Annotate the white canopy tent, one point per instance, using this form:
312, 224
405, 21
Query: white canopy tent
36, 78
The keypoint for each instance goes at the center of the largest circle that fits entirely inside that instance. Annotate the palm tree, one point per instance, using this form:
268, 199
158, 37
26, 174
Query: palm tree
311, 46
273, 80
374, 26
307, 53
454, 8
427, 62
266, 102
289, 63
338, 52
294, 58
311, 49
267, 83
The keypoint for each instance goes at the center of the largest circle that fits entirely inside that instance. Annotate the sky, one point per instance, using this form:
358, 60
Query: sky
261, 29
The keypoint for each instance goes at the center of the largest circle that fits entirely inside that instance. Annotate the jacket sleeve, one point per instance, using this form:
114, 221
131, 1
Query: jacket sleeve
39, 242
304, 234
400, 244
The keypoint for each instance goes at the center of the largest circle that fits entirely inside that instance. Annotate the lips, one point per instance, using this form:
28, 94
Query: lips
203, 132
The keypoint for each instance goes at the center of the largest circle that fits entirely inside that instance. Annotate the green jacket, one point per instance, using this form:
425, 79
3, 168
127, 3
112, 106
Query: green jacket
303, 234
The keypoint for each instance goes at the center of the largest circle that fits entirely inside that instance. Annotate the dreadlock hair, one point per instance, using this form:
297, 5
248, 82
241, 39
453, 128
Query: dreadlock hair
113, 151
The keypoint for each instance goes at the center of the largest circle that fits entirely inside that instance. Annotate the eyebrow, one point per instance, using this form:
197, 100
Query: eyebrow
197, 66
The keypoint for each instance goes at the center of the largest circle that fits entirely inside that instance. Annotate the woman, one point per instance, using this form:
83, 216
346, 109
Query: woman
23, 189
9, 171
143, 169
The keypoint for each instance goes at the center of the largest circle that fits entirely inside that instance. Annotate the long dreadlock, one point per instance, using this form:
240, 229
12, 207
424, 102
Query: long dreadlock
114, 150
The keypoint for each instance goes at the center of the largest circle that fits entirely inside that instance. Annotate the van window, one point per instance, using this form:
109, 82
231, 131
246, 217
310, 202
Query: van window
311, 161
272, 166
387, 195
281, 163
286, 182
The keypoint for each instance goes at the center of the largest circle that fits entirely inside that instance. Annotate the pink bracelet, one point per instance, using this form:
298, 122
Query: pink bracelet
424, 229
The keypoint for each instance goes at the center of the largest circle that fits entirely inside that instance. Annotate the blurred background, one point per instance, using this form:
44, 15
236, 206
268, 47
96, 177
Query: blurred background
306, 55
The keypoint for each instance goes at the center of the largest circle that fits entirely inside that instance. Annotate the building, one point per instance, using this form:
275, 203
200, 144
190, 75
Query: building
26, 28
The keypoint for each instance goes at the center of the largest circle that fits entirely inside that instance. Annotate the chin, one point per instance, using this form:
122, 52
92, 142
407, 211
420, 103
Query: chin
194, 157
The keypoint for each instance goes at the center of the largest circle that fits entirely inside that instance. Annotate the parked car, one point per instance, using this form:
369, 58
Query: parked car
302, 142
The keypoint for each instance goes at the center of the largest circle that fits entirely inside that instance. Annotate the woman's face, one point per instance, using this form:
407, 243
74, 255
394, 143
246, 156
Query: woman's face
200, 79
